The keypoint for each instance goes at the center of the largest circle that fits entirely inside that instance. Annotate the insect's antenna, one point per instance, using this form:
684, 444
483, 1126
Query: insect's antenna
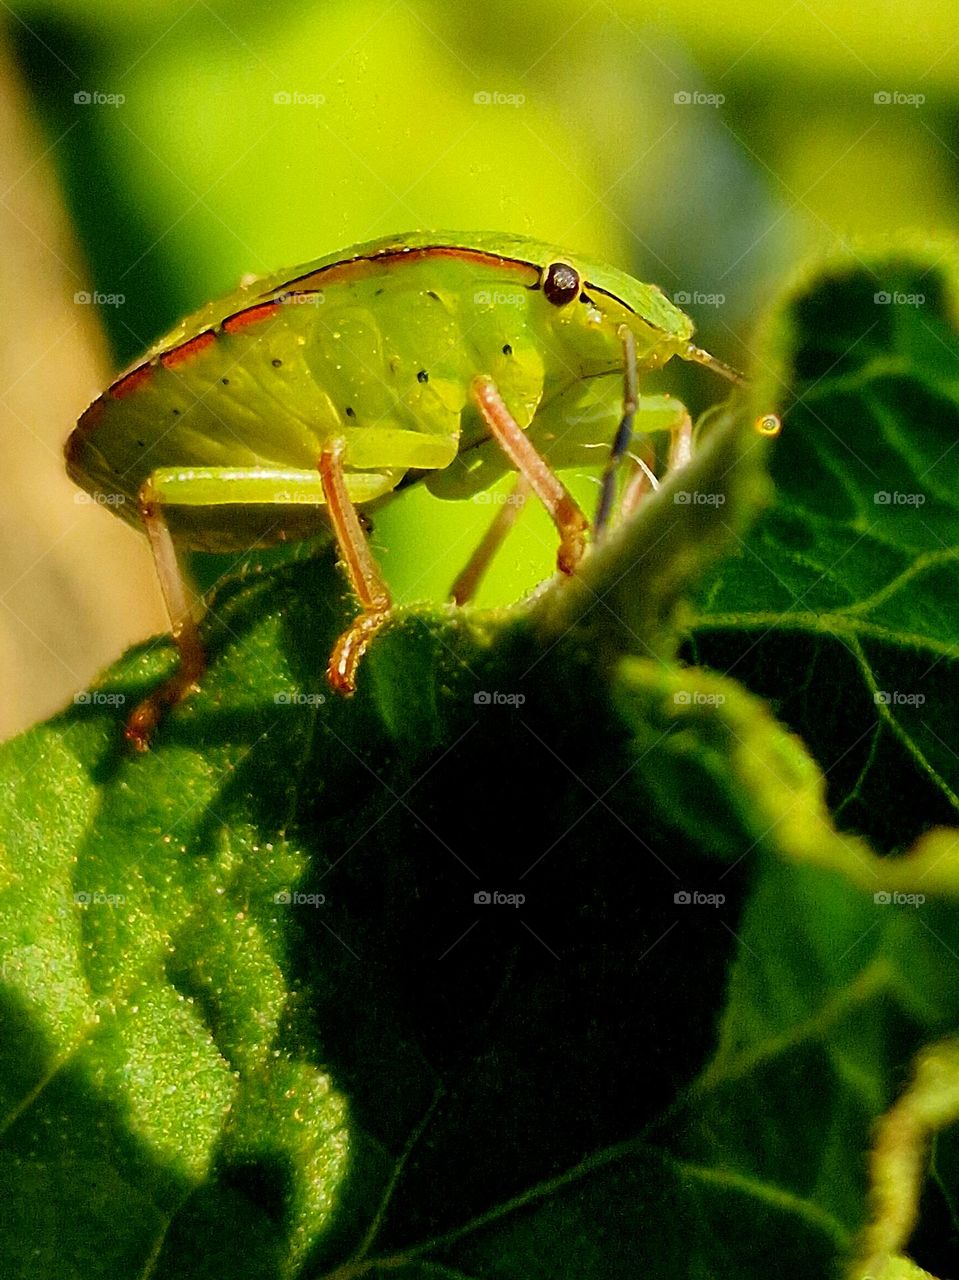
699, 356
624, 433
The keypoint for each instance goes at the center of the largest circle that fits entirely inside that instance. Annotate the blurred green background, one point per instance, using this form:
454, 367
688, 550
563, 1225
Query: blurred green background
153, 154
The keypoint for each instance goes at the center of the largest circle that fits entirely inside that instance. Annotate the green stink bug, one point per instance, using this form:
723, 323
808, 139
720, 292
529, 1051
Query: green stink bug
431, 356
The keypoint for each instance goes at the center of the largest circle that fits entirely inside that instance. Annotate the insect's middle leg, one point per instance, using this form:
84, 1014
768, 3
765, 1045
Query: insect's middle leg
468, 580
187, 488
560, 504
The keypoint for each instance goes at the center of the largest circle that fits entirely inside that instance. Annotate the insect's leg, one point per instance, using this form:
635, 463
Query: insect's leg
178, 596
468, 581
362, 570
642, 483
562, 507
209, 487
624, 433
681, 444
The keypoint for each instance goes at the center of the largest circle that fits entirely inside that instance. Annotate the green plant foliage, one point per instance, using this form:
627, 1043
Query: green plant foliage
518, 964
842, 606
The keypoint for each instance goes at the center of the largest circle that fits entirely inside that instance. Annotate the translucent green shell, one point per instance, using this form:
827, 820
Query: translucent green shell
377, 345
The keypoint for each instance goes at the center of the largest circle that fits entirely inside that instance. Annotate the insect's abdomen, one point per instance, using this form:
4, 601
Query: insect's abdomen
384, 360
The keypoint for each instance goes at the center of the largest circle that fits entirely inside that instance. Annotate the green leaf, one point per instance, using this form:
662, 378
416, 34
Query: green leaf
540, 956
841, 607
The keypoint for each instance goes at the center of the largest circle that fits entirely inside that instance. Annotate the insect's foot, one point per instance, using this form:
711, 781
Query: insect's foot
349, 649
143, 720
571, 551
141, 724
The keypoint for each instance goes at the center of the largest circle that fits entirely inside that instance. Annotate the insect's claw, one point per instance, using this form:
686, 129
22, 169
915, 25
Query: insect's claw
350, 648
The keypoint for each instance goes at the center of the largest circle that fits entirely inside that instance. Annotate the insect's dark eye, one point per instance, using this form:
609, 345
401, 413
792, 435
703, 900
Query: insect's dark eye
561, 284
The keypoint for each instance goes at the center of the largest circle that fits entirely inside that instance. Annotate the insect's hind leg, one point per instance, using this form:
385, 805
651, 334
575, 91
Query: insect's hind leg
560, 504
179, 598
360, 566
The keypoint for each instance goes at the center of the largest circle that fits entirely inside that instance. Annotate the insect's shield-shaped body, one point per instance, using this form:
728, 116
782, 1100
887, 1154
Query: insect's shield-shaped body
377, 346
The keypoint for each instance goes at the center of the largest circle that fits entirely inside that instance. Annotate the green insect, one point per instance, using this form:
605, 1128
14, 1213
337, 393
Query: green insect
278, 411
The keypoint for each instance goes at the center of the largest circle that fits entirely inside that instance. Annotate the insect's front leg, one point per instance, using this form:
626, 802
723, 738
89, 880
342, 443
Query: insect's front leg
562, 507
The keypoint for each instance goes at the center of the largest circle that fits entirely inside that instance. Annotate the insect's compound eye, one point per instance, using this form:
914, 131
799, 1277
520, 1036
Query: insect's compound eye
561, 284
